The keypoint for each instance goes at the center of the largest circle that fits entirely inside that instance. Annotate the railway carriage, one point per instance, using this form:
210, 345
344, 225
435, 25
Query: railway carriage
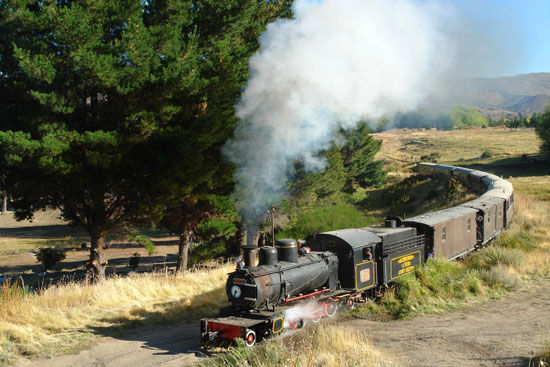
490, 217
449, 233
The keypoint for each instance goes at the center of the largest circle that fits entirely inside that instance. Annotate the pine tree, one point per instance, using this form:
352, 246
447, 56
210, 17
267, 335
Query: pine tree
110, 108
543, 131
359, 151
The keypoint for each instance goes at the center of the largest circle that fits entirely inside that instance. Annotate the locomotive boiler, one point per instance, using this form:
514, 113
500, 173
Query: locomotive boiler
280, 276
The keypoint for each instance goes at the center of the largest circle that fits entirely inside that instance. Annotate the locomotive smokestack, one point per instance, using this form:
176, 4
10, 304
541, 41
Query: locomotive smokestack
249, 254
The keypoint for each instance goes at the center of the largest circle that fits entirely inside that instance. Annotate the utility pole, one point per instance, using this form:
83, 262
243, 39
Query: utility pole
272, 227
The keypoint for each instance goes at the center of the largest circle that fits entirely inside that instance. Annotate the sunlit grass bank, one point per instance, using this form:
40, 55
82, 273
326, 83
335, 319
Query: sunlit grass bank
322, 345
63, 317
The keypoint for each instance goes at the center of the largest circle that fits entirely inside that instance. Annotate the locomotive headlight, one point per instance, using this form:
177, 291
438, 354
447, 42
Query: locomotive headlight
236, 291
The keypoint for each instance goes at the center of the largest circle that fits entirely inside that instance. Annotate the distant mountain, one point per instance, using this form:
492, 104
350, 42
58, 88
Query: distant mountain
504, 96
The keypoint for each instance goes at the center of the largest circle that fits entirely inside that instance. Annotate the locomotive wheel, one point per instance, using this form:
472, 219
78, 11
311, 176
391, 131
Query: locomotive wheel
250, 338
351, 304
297, 324
316, 319
332, 308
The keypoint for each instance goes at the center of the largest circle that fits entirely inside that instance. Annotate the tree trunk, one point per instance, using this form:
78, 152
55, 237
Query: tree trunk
183, 252
98, 261
240, 238
4, 202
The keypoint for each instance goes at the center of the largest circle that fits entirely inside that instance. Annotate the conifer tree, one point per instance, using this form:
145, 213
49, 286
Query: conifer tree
110, 108
359, 151
543, 131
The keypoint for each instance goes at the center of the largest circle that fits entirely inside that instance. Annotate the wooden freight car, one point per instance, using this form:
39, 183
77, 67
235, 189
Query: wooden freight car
449, 233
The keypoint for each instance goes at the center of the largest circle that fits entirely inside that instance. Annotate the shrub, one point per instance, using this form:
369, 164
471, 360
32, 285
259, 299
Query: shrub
49, 256
206, 251
486, 154
454, 186
493, 256
325, 218
500, 277
439, 284
142, 240
522, 240
134, 260
432, 157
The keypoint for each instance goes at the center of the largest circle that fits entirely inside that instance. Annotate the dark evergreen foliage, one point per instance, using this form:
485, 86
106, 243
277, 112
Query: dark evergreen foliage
543, 131
110, 109
358, 154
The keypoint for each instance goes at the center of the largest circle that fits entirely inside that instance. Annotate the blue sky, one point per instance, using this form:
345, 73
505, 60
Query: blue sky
512, 36
519, 30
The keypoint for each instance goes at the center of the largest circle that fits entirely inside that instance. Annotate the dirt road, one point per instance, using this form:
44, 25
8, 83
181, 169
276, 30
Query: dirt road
500, 332
168, 346
495, 333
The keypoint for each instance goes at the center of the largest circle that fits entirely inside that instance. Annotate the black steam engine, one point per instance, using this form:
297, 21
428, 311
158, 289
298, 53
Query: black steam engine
292, 285
286, 286
281, 274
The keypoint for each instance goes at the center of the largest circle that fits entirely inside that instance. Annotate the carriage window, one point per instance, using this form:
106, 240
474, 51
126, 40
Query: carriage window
488, 216
367, 253
469, 224
443, 234
500, 211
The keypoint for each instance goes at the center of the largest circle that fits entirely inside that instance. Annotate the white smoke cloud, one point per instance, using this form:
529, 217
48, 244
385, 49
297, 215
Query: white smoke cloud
335, 63
302, 313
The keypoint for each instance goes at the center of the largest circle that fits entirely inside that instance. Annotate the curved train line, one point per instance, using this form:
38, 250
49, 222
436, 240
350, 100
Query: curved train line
294, 283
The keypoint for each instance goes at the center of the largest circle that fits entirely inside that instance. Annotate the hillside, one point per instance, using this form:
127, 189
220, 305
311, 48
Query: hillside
506, 97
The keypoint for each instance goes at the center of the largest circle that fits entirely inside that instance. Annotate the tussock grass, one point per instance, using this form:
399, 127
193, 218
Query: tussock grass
319, 346
529, 234
440, 284
500, 277
494, 256
63, 317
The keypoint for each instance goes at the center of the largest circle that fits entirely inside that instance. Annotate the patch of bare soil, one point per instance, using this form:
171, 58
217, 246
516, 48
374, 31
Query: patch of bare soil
168, 346
502, 332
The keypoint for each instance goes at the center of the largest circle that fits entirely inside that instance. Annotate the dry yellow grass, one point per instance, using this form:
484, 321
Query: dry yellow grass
407, 146
531, 218
63, 317
324, 345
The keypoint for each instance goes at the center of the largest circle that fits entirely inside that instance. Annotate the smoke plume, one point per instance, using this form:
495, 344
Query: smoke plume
311, 310
335, 63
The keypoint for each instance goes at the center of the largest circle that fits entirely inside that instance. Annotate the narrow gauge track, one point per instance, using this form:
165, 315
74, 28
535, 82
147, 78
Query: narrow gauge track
294, 283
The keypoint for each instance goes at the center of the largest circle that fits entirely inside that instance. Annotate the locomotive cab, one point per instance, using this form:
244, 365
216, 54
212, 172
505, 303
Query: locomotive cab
356, 251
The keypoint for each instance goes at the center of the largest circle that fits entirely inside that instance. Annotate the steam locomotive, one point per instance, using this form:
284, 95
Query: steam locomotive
298, 282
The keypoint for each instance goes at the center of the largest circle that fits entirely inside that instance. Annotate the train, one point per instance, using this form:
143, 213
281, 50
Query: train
295, 282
